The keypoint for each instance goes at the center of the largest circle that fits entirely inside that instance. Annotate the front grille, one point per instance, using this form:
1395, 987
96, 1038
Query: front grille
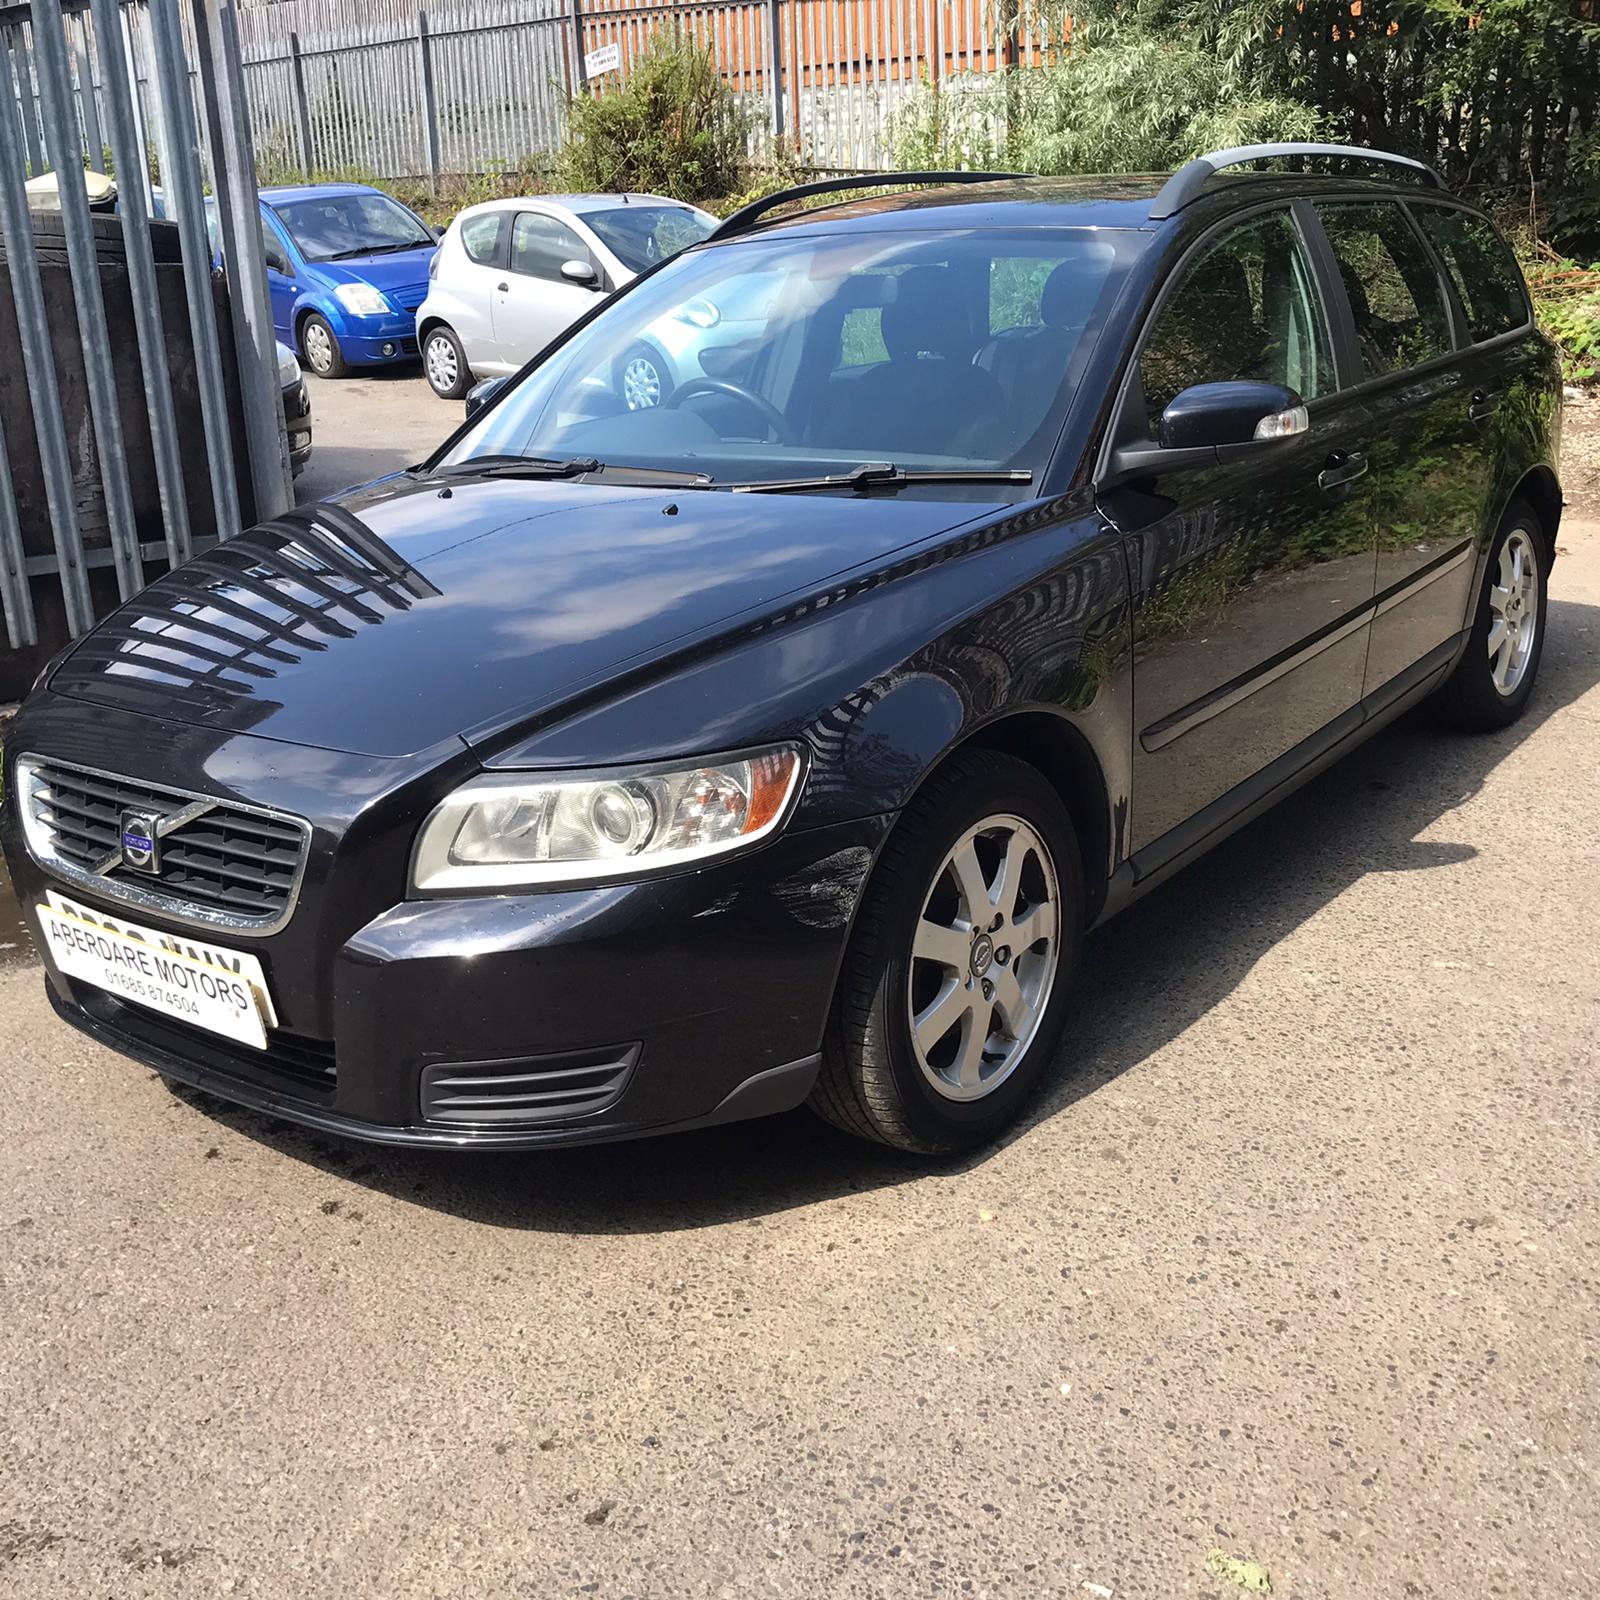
409, 299
531, 1090
220, 863
291, 1063
408, 346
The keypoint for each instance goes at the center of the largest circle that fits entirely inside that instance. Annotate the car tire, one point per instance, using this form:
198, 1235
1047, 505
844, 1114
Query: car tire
320, 347
444, 363
643, 379
916, 952
1494, 678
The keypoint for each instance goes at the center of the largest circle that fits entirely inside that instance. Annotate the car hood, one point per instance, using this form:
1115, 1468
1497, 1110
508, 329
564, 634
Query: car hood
408, 270
411, 613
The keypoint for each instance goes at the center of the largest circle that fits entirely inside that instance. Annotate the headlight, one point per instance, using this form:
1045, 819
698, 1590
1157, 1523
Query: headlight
514, 830
361, 300
288, 368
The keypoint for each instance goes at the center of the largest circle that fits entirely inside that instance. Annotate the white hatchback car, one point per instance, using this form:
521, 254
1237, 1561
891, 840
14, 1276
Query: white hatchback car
509, 275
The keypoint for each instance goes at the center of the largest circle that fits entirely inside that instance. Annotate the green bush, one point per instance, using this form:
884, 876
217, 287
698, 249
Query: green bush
672, 126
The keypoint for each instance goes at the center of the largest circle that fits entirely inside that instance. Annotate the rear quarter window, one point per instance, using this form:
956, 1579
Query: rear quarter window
480, 237
1481, 266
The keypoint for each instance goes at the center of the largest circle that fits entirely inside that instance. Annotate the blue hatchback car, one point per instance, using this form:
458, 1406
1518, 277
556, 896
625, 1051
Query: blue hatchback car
347, 266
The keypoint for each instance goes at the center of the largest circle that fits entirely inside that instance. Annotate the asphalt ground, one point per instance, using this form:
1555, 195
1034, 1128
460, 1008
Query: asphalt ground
1296, 1262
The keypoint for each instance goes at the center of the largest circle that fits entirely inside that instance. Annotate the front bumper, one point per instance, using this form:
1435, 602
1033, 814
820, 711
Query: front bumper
712, 986
377, 340
297, 422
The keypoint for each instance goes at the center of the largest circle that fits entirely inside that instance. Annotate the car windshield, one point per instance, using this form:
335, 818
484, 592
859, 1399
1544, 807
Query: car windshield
639, 236
778, 358
336, 227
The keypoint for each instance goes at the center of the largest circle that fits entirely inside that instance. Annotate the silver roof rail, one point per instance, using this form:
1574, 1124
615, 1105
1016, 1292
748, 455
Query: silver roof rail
1186, 184
746, 217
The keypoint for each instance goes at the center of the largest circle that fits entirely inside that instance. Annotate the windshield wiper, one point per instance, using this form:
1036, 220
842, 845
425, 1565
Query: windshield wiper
616, 472
518, 467
376, 249
880, 475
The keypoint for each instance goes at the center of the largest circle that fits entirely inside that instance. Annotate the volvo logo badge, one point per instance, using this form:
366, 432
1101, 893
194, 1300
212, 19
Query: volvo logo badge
141, 841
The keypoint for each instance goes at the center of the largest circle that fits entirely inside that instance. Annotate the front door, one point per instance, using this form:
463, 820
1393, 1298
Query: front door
1430, 468
1252, 579
533, 302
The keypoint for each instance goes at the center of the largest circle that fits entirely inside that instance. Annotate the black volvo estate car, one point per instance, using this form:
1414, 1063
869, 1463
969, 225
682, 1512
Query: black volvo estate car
620, 770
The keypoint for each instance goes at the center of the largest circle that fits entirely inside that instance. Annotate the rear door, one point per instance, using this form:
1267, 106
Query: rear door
1429, 473
475, 272
1253, 578
533, 302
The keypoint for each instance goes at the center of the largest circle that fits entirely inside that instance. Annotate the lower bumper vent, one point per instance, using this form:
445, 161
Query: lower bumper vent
532, 1089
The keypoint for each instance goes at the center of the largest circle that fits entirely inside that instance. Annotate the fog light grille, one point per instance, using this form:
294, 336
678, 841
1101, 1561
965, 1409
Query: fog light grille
529, 1090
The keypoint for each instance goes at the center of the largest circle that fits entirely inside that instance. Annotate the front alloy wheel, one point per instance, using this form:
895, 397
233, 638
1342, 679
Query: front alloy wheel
983, 958
953, 991
1513, 612
445, 364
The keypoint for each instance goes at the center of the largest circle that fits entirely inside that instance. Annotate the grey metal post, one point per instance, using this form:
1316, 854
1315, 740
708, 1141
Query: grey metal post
83, 65
234, 165
430, 104
55, 90
141, 131
128, 155
25, 101
580, 71
302, 106
15, 598
180, 184
775, 69
39, 367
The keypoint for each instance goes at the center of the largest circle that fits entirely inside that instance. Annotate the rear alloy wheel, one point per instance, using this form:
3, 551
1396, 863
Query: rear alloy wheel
954, 988
320, 347
445, 364
1494, 678
643, 379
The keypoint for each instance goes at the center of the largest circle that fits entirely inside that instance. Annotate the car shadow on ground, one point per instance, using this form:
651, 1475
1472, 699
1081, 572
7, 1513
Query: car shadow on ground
1146, 978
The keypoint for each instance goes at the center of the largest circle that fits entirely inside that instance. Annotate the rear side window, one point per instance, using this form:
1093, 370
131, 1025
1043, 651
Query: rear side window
1395, 294
1482, 268
480, 237
1245, 309
540, 244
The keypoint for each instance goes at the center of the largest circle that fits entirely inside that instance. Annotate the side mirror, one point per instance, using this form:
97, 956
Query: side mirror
275, 259
480, 394
581, 273
1210, 423
1231, 413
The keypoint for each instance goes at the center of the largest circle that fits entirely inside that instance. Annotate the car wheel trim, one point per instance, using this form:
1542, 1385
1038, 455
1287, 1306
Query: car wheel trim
319, 351
641, 384
984, 956
1513, 612
443, 372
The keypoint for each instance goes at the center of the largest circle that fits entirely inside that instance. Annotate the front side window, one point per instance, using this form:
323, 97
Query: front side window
342, 226
815, 355
1395, 295
480, 237
640, 236
1244, 310
540, 245
1482, 268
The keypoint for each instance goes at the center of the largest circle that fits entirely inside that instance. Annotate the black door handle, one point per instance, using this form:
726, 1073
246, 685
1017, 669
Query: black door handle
1342, 467
504, 288
1483, 404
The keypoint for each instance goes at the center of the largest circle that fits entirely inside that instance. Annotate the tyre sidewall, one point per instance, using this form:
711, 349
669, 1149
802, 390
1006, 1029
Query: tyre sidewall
938, 1123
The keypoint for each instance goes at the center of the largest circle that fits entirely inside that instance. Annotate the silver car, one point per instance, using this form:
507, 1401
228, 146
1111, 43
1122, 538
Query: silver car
510, 275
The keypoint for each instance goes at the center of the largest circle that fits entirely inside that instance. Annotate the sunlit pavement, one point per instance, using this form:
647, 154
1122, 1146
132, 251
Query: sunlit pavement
1297, 1262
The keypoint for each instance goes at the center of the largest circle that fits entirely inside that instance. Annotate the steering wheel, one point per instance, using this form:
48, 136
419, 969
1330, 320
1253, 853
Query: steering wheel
768, 412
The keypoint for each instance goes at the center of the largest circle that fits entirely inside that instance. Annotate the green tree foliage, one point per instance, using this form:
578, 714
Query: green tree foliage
672, 127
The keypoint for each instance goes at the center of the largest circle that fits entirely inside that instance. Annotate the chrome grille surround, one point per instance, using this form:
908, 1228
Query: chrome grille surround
242, 865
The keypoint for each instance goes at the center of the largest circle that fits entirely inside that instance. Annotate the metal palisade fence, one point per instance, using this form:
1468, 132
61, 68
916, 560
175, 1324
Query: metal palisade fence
393, 89
145, 420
